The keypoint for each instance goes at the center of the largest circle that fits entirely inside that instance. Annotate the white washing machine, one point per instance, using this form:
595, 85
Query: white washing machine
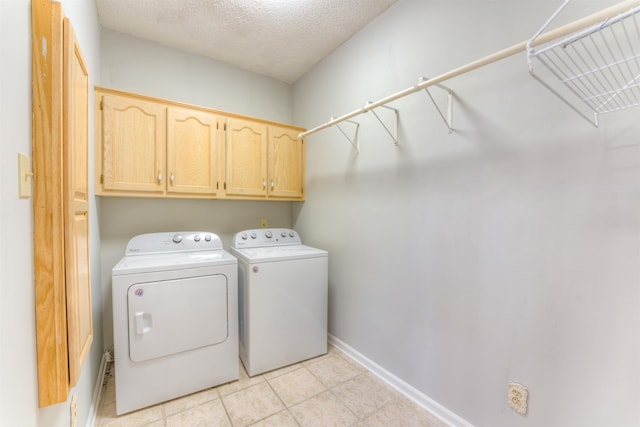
175, 318
282, 287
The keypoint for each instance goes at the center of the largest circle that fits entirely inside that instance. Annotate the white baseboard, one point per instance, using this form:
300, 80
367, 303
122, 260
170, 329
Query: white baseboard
410, 392
97, 390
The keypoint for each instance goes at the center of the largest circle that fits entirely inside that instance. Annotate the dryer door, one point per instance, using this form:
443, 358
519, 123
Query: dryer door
173, 316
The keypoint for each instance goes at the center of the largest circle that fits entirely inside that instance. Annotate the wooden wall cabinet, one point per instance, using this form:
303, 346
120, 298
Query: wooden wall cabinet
264, 160
64, 330
246, 155
194, 161
285, 160
133, 144
150, 147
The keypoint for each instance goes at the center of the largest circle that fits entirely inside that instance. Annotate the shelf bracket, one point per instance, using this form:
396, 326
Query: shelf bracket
448, 120
397, 117
356, 138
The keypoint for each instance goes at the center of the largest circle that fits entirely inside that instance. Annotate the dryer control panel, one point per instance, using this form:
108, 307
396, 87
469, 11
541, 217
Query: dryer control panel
176, 241
262, 237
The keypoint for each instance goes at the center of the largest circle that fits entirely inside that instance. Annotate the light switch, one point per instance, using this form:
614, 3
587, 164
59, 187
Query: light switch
24, 176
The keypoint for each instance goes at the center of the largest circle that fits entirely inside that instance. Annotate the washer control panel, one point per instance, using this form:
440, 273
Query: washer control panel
261, 237
181, 241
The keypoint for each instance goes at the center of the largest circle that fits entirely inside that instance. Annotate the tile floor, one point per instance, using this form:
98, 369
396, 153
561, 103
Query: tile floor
330, 390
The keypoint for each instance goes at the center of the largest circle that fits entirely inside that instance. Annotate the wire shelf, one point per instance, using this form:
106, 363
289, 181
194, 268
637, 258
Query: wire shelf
599, 65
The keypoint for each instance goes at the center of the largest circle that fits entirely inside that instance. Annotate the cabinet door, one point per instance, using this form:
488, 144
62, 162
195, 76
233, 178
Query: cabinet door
286, 163
246, 151
192, 160
48, 212
133, 144
76, 204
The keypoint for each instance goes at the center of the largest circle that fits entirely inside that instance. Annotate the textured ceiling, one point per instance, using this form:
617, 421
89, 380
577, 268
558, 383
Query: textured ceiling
282, 39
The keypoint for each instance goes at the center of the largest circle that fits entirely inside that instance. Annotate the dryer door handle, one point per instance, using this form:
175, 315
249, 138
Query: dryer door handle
139, 319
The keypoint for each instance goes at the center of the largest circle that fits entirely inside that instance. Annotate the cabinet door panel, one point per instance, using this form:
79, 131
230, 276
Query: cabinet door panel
246, 170
286, 160
76, 204
133, 144
192, 161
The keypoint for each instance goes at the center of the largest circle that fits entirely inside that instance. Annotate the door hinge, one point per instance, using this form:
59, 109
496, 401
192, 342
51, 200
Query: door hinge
101, 179
225, 185
217, 125
102, 104
225, 126
217, 185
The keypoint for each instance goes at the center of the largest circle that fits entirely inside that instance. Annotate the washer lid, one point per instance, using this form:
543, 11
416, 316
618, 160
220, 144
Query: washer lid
278, 253
171, 261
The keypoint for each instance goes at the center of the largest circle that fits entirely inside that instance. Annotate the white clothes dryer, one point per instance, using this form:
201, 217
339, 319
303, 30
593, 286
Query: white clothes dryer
282, 287
175, 319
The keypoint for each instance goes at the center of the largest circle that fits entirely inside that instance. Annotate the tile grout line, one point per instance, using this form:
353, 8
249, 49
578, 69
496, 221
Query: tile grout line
328, 388
226, 412
331, 390
221, 396
286, 407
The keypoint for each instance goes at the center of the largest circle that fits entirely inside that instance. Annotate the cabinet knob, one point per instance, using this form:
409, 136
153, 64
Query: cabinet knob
159, 177
171, 179
273, 184
264, 184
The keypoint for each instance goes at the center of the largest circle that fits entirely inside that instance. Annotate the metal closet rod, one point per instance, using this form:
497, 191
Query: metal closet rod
565, 30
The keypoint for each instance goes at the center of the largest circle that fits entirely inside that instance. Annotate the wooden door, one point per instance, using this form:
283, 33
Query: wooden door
192, 151
246, 153
133, 144
286, 163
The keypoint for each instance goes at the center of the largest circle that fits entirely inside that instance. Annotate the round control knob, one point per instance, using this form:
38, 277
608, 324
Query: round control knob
268, 234
291, 234
254, 235
207, 238
177, 238
196, 238
244, 236
283, 234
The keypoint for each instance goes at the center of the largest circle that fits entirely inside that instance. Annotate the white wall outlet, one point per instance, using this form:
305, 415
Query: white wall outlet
517, 397
264, 223
74, 410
